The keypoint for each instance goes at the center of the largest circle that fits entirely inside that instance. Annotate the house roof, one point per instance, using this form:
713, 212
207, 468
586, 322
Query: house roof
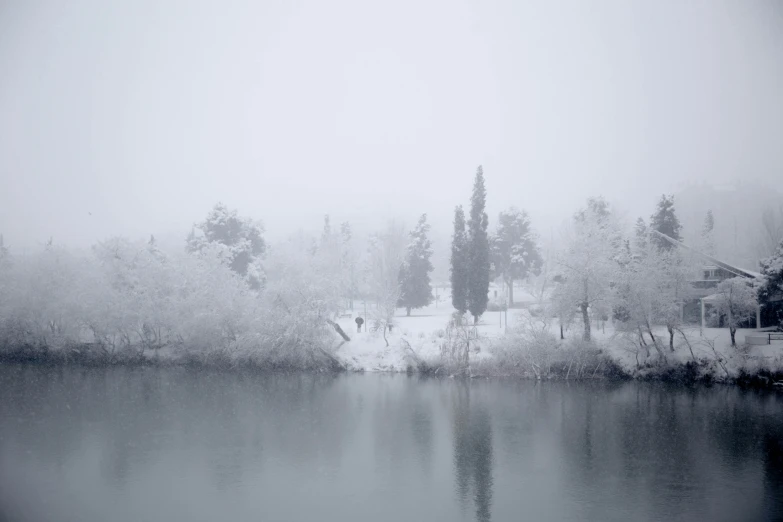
712, 298
737, 271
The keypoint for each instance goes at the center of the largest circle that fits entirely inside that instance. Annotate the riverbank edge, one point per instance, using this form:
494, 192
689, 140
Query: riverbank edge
689, 373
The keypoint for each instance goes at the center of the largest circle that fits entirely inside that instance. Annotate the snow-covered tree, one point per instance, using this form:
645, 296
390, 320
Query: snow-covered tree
675, 272
415, 287
590, 261
478, 249
771, 286
649, 290
348, 257
665, 221
327, 232
641, 235
44, 298
328, 260
241, 238
385, 256
301, 286
126, 296
136, 308
737, 301
708, 234
771, 231
561, 302
459, 262
515, 253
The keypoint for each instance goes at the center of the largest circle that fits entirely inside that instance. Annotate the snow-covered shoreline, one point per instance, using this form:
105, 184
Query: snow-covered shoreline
416, 343
710, 356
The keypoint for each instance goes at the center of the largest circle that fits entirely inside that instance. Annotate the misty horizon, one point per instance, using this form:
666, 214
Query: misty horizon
134, 120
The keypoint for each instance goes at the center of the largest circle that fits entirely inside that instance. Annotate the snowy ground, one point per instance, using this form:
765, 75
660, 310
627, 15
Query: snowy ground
368, 351
423, 331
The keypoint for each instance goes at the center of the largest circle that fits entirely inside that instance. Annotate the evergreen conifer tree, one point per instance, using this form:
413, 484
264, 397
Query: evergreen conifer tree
478, 249
350, 281
515, 254
665, 221
707, 235
640, 235
415, 287
241, 238
771, 288
459, 262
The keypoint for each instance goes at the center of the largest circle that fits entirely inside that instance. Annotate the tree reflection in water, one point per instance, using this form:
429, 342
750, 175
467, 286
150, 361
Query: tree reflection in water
472, 432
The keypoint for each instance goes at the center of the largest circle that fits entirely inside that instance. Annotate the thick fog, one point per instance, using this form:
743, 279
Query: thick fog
131, 118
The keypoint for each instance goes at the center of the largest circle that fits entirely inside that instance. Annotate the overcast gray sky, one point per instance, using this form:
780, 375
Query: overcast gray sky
145, 114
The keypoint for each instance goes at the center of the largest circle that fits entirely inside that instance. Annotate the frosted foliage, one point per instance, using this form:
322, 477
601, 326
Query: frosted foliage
737, 302
589, 262
515, 252
385, 256
665, 220
415, 287
707, 242
771, 286
650, 288
736, 297
238, 239
124, 298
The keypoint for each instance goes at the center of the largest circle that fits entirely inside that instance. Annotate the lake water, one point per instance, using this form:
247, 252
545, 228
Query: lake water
144, 444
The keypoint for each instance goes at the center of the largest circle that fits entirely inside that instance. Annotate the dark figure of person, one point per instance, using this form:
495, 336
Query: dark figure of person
390, 327
359, 323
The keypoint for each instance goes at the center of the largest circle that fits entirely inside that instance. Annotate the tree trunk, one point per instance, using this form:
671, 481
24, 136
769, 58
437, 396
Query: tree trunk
655, 343
586, 319
643, 342
467, 354
510, 284
652, 337
408, 311
338, 330
561, 331
732, 327
671, 338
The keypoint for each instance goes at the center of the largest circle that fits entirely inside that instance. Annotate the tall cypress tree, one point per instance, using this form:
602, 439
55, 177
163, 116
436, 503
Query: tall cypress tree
459, 262
478, 249
665, 221
415, 287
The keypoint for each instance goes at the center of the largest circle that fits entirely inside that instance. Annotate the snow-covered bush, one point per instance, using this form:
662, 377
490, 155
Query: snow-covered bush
529, 348
124, 299
461, 336
43, 299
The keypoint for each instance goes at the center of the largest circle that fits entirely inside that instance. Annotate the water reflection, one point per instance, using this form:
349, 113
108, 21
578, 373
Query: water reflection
472, 450
154, 444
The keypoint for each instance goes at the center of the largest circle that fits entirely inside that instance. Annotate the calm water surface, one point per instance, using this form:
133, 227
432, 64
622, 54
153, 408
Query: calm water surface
173, 444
